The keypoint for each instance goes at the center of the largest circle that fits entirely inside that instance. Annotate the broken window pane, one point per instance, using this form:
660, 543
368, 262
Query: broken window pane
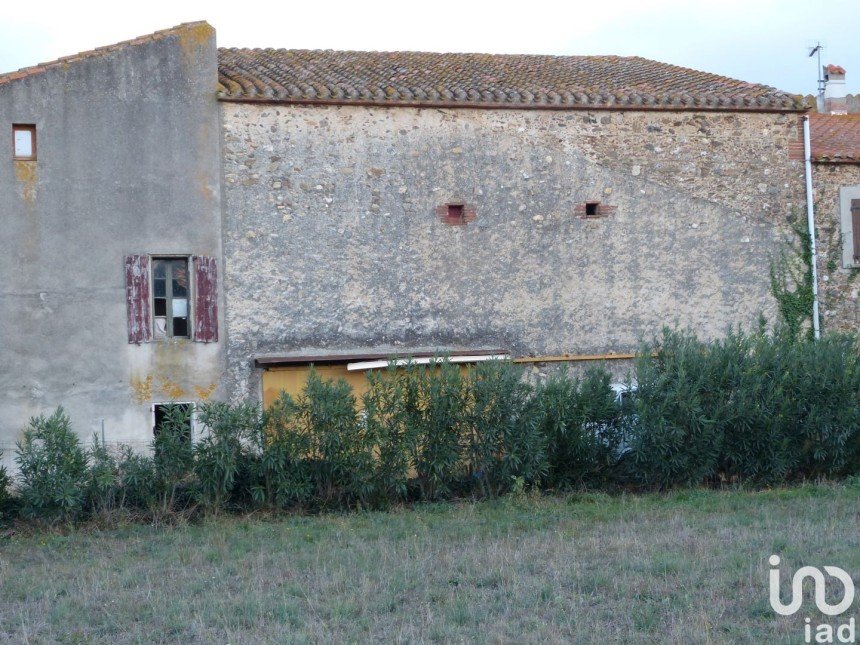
180, 326
159, 306
160, 327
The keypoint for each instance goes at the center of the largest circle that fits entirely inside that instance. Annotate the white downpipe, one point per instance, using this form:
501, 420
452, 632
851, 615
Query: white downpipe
810, 220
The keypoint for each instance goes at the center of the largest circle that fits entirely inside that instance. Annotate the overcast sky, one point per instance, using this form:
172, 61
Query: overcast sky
761, 41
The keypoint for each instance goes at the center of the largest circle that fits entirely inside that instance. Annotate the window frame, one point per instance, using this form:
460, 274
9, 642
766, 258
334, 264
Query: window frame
24, 127
189, 268
850, 255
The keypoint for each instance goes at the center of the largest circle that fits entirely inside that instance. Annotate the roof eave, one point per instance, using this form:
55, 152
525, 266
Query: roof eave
513, 106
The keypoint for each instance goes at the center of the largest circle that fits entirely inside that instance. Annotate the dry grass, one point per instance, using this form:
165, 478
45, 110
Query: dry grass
684, 567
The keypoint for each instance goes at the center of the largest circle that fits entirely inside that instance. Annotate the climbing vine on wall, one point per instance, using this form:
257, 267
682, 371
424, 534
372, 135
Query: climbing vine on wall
791, 283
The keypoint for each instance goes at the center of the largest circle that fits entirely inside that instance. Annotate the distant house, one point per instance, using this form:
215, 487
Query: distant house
184, 222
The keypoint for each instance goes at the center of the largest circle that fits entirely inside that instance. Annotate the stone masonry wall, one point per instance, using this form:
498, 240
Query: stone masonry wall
838, 287
333, 241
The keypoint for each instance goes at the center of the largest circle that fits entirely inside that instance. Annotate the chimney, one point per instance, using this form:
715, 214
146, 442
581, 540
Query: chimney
833, 99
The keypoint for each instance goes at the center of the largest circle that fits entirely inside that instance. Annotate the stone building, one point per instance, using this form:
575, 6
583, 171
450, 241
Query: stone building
186, 222
835, 134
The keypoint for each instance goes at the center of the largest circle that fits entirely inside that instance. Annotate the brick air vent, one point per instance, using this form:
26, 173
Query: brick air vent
593, 210
455, 213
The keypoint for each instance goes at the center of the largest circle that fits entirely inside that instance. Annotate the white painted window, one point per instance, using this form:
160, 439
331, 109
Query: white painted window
24, 142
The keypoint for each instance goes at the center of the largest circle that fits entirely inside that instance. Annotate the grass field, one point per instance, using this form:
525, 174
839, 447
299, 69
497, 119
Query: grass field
684, 567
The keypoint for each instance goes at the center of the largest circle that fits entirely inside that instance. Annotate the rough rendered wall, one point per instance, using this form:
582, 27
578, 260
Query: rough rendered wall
332, 240
839, 288
128, 162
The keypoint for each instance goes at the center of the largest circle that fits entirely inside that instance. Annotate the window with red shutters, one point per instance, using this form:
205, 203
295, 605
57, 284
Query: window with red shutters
163, 303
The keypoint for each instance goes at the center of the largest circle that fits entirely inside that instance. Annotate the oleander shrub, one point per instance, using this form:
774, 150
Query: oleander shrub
676, 439
279, 473
52, 469
761, 407
385, 423
433, 400
104, 493
502, 440
5, 490
340, 455
173, 462
583, 426
219, 452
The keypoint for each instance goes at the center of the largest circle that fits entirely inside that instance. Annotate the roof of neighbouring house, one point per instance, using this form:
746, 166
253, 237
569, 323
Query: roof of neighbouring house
835, 138
483, 80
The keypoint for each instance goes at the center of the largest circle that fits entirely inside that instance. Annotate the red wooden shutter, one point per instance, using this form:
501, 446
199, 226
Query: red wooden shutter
855, 226
205, 300
137, 298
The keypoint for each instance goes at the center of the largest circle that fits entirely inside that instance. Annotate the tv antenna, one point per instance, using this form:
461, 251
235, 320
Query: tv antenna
812, 52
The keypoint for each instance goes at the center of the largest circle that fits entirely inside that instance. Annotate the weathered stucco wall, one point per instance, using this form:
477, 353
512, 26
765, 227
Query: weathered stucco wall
839, 287
128, 162
332, 241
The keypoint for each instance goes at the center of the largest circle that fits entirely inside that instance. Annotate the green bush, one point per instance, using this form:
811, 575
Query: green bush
280, 476
583, 426
5, 489
434, 412
340, 454
104, 485
676, 439
139, 484
173, 461
218, 455
52, 469
766, 408
758, 407
503, 442
389, 434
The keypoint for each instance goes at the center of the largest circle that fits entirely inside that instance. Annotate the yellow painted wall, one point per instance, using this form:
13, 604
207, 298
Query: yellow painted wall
292, 380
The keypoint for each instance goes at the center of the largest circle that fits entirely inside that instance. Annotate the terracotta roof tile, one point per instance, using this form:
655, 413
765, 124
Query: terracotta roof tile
101, 51
326, 76
835, 137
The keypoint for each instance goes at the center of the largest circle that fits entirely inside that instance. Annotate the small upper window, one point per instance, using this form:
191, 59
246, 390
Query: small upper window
592, 209
170, 297
24, 142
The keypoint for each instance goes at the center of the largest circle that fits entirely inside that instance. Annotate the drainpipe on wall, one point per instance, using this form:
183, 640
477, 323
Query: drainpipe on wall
810, 219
